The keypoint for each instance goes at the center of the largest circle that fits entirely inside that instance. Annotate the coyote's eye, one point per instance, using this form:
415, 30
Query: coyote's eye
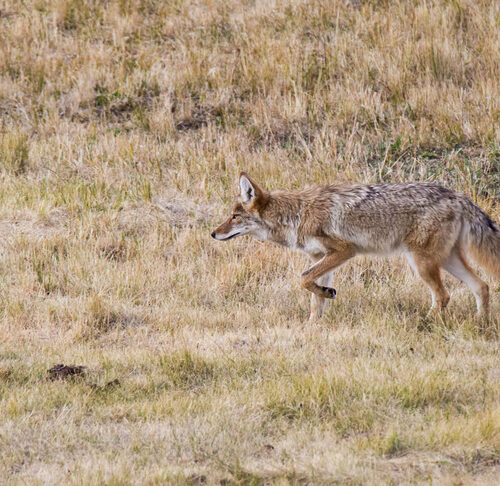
235, 216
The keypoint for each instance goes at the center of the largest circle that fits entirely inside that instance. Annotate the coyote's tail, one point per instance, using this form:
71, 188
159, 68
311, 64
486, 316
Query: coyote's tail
483, 238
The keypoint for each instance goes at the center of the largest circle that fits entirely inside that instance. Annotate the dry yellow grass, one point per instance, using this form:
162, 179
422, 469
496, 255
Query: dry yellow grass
123, 126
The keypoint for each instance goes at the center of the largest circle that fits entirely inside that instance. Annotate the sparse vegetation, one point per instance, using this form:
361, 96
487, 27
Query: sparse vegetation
123, 127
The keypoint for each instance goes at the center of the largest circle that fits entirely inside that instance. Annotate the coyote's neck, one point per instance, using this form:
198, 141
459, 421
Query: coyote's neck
282, 215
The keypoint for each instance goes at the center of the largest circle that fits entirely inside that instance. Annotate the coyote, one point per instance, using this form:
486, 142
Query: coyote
433, 226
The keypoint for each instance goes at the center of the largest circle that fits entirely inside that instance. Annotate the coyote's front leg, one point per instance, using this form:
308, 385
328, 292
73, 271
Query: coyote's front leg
324, 266
318, 304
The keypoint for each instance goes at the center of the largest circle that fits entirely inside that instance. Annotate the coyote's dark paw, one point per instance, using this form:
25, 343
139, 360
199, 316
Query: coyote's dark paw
330, 293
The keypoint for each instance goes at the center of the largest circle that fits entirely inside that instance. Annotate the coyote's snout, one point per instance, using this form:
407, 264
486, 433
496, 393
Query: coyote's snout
433, 226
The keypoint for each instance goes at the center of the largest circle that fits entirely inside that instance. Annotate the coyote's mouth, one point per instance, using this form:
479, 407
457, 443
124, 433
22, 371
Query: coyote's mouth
230, 236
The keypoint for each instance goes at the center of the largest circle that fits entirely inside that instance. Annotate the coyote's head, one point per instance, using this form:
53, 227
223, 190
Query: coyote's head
245, 217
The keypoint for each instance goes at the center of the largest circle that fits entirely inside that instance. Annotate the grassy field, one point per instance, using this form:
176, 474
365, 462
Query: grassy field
123, 127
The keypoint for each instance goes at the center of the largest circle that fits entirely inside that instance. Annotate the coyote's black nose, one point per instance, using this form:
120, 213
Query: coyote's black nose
212, 234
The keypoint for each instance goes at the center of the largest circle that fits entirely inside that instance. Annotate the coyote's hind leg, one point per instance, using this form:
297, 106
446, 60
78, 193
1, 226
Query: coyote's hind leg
457, 265
429, 272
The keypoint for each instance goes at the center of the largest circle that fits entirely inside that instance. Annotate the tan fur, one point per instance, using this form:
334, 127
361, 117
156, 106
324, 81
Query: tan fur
432, 225
483, 238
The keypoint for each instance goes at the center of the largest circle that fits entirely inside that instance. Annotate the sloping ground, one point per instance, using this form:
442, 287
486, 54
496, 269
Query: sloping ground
123, 127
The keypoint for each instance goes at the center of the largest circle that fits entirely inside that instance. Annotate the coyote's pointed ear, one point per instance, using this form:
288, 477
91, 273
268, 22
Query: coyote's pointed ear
250, 192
